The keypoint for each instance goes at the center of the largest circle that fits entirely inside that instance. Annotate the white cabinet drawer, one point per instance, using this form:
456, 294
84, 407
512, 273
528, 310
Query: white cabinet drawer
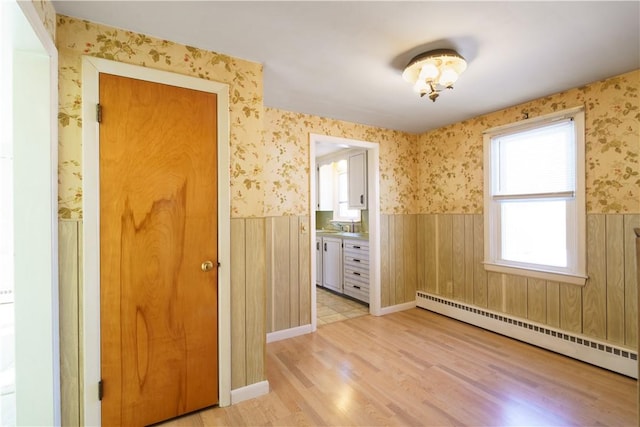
356, 274
357, 246
356, 260
356, 290
356, 269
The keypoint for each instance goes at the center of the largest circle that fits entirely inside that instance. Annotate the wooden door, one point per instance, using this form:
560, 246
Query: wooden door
158, 224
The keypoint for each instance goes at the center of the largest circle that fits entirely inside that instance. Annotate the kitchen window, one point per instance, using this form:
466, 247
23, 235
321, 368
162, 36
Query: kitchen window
535, 198
341, 211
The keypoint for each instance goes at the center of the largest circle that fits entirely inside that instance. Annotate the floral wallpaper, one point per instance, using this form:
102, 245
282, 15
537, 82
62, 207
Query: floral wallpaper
450, 176
77, 37
436, 172
286, 174
47, 14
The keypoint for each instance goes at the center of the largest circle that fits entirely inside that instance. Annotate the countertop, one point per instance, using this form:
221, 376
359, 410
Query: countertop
342, 234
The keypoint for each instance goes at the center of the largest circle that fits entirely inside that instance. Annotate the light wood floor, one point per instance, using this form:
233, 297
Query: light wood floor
422, 369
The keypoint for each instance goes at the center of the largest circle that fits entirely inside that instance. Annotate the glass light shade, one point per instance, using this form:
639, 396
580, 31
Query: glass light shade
448, 77
428, 72
420, 86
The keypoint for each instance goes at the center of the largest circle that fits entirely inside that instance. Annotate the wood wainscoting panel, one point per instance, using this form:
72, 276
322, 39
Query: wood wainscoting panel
571, 308
495, 295
630, 281
469, 269
450, 252
288, 272
614, 242
304, 270
595, 291
515, 290
553, 304
69, 249
279, 272
479, 273
385, 272
294, 272
445, 255
238, 303
398, 266
410, 259
256, 333
427, 253
537, 300
457, 259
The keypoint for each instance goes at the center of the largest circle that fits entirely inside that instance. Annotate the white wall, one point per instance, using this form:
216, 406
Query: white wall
33, 107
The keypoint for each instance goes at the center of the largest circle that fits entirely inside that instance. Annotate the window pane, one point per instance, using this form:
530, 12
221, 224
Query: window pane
536, 161
345, 212
343, 187
535, 232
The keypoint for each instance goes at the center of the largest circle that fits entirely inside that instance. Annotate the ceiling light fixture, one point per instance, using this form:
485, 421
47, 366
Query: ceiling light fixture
433, 71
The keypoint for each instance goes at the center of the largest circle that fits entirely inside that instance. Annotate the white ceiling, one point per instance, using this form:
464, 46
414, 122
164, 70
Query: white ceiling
344, 60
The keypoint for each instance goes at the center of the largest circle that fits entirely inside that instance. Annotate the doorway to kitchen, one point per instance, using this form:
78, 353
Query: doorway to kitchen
345, 228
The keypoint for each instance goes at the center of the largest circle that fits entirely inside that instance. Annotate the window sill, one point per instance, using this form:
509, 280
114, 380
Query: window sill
555, 276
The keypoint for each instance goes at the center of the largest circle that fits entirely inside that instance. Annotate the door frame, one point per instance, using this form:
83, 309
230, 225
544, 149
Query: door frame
373, 189
90, 310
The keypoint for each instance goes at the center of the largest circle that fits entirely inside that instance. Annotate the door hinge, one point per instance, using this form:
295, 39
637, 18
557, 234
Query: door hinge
99, 113
100, 390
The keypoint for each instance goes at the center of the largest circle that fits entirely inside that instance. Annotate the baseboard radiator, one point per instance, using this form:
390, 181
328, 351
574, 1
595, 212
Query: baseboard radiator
605, 355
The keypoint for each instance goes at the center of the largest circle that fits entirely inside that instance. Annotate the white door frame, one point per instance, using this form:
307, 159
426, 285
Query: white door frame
91, 68
373, 189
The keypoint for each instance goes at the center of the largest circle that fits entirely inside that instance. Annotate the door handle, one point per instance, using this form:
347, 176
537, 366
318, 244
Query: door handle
317, 246
362, 199
206, 266
325, 247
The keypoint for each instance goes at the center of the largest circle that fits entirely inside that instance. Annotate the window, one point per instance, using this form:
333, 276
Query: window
333, 189
341, 209
534, 198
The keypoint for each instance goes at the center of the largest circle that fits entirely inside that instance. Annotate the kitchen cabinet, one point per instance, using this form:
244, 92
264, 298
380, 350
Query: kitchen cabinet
357, 169
356, 269
332, 263
324, 189
318, 261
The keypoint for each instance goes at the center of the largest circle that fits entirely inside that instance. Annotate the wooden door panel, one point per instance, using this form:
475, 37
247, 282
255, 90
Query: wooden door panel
158, 223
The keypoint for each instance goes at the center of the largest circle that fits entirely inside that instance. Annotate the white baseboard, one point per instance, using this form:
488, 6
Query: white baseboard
577, 346
249, 392
288, 333
396, 308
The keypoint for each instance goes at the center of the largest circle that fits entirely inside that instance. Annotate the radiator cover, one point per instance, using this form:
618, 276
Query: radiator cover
604, 355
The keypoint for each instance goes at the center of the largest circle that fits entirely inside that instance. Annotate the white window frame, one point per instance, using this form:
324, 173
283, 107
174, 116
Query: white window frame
333, 159
575, 272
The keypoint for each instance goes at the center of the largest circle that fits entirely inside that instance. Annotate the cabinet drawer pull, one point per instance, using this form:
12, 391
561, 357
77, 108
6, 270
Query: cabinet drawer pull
356, 247
356, 273
356, 286
356, 260
362, 199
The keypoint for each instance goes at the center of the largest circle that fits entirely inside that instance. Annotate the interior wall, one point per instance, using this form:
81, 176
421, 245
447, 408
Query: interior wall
287, 192
450, 245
